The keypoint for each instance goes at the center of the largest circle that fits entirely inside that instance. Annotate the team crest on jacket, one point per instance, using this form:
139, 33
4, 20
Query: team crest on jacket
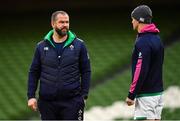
140, 55
71, 47
46, 48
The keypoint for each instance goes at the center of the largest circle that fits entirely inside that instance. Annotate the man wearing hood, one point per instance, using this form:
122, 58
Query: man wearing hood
147, 66
62, 65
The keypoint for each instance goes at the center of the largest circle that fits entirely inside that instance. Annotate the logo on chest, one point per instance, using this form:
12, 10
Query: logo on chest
46, 48
71, 47
140, 55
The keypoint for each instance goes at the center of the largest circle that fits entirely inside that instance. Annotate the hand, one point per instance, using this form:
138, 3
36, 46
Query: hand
129, 101
32, 103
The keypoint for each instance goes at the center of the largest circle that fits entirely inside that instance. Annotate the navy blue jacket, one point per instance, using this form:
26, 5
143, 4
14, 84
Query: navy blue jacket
147, 64
61, 75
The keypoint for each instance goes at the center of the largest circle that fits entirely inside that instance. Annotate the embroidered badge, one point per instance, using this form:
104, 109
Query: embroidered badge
71, 47
140, 55
46, 48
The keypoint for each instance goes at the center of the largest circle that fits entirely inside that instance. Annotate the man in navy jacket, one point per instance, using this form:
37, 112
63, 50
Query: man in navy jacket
62, 65
147, 66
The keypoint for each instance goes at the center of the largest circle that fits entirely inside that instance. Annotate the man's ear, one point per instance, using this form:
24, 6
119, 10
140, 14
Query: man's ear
138, 22
52, 24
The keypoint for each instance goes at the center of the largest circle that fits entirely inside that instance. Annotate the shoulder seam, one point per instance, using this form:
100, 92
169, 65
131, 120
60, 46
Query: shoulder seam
40, 42
79, 39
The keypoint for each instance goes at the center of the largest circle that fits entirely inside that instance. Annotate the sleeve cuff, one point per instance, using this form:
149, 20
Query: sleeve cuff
31, 96
131, 96
85, 97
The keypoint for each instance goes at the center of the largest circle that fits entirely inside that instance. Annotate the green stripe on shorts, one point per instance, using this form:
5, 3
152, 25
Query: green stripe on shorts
149, 94
140, 118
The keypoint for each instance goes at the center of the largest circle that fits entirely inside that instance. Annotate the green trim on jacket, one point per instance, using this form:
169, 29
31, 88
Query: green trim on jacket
70, 39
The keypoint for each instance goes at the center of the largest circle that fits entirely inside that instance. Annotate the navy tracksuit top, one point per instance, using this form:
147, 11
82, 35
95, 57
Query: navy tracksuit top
147, 64
62, 74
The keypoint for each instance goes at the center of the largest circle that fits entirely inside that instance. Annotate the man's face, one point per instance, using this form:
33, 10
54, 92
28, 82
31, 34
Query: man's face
135, 24
61, 24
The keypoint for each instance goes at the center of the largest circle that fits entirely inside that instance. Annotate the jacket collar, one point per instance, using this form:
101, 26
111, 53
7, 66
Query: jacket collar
70, 39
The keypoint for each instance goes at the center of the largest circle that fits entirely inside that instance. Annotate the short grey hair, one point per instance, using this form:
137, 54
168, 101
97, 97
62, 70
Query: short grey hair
54, 15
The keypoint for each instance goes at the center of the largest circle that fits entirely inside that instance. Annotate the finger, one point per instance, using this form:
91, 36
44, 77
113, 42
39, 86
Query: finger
31, 107
132, 103
34, 107
128, 103
30, 103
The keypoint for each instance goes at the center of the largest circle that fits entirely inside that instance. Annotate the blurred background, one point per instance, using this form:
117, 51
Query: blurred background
105, 27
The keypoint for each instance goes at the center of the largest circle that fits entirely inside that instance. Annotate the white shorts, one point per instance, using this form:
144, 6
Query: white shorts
149, 107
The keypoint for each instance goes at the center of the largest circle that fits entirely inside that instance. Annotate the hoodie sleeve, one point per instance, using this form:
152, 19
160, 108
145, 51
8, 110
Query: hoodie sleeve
34, 74
85, 71
141, 68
